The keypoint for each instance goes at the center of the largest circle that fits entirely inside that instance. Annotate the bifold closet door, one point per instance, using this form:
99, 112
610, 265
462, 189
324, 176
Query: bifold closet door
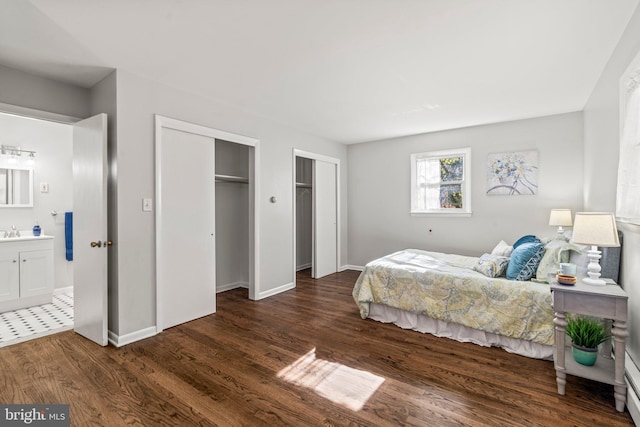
186, 215
325, 233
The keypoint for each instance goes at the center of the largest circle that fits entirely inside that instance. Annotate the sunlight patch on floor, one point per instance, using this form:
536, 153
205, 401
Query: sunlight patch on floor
338, 383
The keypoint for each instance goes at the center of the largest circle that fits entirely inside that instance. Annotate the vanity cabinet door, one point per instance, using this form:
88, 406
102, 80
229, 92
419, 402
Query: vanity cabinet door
9, 275
36, 269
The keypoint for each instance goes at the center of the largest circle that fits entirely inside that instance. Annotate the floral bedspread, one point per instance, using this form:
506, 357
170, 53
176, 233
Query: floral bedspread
445, 287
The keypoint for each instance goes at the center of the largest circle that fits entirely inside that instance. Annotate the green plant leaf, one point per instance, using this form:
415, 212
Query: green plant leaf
585, 331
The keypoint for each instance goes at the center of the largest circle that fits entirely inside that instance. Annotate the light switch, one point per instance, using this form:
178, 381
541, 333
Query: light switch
44, 187
147, 205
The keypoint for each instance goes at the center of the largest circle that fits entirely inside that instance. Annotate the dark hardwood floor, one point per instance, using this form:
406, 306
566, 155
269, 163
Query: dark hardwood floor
304, 357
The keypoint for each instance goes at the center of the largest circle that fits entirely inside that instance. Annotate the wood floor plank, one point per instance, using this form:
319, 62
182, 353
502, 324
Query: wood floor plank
303, 357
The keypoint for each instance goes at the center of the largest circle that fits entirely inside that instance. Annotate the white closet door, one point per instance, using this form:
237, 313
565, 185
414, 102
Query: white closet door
185, 229
325, 219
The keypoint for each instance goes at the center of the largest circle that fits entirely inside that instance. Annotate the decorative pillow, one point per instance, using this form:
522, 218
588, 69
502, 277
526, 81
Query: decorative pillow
502, 249
524, 261
491, 265
529, 238
556, 251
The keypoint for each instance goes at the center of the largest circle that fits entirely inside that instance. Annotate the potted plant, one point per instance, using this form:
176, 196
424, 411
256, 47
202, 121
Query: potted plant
586, 335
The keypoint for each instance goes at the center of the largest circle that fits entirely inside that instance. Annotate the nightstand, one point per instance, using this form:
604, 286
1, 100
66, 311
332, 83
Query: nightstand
608, 302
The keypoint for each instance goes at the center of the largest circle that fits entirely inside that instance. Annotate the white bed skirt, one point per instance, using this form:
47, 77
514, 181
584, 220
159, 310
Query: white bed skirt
440, 328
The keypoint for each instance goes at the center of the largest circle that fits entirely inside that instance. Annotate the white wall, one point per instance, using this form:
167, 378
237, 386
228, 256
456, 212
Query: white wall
601, 141
379, 189
26, 90
103, 98
138, 99
54, 150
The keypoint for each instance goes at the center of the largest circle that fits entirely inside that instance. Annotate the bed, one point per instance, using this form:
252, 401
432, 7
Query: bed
445, 295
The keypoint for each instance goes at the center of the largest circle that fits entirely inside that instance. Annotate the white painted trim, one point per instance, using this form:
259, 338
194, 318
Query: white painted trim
351, 267
119, 341
632, 378
180, 125
255, 274
303, 267
232, 285
278, 290
58, 291
323, 158
16, 110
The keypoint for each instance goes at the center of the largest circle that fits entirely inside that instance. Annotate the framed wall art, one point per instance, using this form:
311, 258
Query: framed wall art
512, 174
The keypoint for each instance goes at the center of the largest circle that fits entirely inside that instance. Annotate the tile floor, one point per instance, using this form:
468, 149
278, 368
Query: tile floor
33, 322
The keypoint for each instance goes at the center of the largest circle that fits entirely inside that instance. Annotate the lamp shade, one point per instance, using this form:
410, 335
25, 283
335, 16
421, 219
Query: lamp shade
560, 217
596, 229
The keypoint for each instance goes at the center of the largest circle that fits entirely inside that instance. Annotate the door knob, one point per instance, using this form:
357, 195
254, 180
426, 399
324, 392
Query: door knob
108, 243
98, 244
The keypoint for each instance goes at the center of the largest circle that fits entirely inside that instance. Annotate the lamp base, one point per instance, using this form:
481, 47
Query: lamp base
593, 269
594, 282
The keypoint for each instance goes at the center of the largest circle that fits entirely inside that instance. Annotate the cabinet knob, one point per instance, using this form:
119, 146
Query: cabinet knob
96, 244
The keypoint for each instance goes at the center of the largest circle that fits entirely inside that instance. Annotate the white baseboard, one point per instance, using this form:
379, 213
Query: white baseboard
232, 285
119, 341
58, 291
632, 378
303, 266
275, 291
351, 267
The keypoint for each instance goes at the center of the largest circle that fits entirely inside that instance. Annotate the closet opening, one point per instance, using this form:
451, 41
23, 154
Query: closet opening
315, 213
304, 213
233, 217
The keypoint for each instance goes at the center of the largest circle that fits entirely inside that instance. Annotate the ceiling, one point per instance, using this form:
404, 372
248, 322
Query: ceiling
345, 70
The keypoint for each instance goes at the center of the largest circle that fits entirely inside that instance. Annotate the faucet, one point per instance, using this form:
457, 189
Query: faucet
13, 232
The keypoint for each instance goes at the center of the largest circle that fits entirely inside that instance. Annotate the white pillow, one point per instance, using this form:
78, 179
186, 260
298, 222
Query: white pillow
502, 249
580, 259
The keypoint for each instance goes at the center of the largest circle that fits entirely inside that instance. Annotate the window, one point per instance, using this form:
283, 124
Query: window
628, 191
440, 182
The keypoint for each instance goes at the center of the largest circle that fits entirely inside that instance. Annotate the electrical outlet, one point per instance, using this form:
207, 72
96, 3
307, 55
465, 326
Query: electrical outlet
44, 187
147, 205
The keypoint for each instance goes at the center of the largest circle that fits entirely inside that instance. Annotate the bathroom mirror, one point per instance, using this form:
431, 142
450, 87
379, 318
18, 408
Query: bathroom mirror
16, 187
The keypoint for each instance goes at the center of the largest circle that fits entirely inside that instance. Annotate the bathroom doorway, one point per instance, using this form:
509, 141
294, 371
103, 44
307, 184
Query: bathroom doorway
50, 137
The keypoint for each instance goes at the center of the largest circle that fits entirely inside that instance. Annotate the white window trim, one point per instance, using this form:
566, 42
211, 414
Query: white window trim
466, 191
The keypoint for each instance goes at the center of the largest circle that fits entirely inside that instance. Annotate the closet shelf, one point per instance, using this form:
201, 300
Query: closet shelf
232, 178
303, 185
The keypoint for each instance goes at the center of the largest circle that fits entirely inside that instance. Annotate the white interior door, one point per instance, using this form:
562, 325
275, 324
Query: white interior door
185, 225
325, 232
90, 228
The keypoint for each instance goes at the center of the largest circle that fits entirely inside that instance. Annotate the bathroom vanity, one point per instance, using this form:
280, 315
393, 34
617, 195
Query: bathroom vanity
26, 271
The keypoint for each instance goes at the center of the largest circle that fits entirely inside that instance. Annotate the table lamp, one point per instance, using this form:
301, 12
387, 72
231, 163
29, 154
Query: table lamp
595, 229
560, 218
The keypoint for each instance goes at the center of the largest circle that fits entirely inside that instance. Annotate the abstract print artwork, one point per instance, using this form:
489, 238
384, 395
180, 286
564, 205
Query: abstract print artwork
512, 174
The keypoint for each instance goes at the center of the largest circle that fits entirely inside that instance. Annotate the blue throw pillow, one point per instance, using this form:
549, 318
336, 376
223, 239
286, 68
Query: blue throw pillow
529, 238
524, 261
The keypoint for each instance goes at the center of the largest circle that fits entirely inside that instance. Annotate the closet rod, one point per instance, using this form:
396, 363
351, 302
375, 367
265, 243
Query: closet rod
303, 185
231, 178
